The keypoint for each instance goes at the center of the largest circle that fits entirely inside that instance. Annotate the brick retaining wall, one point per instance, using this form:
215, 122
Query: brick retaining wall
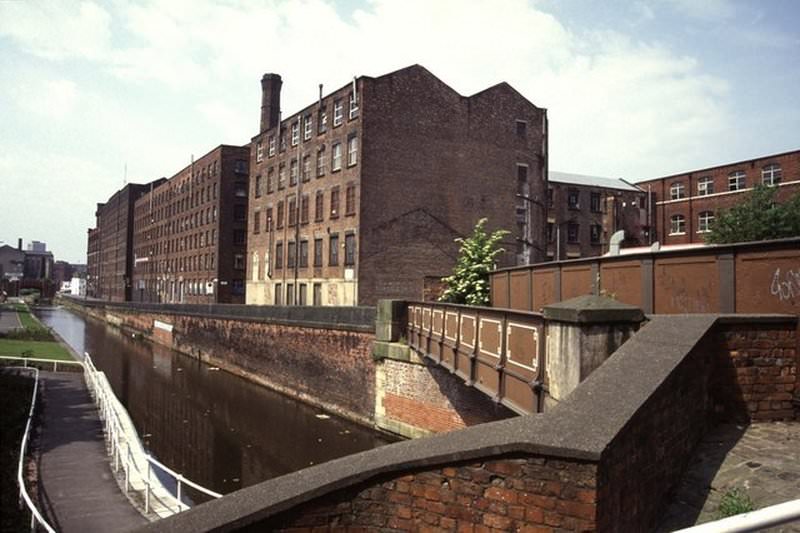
509, 494
331, 367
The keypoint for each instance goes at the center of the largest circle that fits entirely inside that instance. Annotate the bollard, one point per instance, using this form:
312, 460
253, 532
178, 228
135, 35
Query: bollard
179, 478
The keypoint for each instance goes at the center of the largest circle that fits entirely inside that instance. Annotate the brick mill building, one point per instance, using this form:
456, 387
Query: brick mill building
110, 257
190, 232
585, 211
686, 204
359, 195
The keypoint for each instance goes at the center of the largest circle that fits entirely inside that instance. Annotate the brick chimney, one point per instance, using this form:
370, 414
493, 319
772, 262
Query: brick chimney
19, 244
270, 101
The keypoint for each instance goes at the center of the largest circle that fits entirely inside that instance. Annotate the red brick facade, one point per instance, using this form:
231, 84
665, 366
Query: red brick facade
190, 232
685, 202
110, 245
410, 166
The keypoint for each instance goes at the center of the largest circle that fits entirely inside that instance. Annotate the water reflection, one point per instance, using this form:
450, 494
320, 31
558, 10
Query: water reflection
216, 428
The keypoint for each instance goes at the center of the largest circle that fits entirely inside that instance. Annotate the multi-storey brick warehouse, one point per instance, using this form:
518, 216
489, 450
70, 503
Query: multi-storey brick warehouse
190, 232
686, 204
110, 255
92, 261
585, 211
360, 195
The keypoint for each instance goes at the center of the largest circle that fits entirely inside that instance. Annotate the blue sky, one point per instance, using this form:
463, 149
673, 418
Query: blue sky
633, 89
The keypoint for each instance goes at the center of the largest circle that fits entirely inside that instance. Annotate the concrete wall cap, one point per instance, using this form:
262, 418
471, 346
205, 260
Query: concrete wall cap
592, 309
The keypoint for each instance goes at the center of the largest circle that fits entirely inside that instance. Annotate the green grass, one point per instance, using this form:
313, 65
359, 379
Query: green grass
28, 321
34, 341
38, 349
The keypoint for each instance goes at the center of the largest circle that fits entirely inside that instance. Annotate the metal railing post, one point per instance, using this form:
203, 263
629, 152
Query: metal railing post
147, 489
179, 478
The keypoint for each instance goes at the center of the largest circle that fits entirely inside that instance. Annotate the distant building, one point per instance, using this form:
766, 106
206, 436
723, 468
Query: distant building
687, 203
38, 262
92, 261
77, 287
12, 263
583, 212
190, 232
359, 195
110, 244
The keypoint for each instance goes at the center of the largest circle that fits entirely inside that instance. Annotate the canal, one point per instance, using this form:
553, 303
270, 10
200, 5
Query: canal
215, 428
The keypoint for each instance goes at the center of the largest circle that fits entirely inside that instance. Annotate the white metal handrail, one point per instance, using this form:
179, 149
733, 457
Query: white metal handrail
36, 516
129, 454
54, 362
774, 515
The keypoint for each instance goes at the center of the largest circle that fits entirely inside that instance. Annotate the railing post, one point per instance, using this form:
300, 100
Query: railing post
179, 477
147, 489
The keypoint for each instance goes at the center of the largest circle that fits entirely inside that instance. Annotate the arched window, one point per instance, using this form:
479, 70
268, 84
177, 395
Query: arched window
704, 220
677, 225
677, 191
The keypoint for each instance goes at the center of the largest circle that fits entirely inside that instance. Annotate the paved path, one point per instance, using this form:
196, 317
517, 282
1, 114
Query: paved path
762, 459
77, 487
8, 320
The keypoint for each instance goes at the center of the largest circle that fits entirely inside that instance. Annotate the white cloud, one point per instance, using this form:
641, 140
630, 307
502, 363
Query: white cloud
617, 106
53, 99
57, 30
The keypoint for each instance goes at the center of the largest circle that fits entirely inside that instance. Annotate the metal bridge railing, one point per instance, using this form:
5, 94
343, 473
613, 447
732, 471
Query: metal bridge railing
775, 515
129, 455
36, 516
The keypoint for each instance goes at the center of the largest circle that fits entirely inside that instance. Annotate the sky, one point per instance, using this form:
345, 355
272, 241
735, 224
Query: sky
93, 93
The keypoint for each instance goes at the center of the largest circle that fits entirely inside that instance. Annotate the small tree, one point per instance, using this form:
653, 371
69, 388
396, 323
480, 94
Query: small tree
757, 219
469, 283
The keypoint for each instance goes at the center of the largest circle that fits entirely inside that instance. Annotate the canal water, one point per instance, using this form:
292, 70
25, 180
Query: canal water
215, 428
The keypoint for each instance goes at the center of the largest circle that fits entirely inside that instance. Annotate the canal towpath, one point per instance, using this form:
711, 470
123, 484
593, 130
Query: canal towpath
77, 488
8, 320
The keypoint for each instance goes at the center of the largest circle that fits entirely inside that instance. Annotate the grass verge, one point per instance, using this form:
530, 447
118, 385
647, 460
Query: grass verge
35, 340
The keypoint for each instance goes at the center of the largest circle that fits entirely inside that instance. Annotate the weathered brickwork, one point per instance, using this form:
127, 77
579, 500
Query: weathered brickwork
757, 372
426, 397
533, 494
646, 461
412, 167
331, 368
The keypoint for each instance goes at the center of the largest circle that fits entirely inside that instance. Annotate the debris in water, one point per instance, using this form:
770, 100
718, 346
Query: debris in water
180, 369
322, 416
319, 440
235, 480
147, 435
212, 368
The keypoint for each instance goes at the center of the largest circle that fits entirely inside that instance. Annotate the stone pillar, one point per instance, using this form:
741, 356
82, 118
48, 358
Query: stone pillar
581, 333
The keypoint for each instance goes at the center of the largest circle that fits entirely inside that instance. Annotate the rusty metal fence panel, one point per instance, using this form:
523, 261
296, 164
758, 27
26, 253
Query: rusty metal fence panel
760, 277
498, 351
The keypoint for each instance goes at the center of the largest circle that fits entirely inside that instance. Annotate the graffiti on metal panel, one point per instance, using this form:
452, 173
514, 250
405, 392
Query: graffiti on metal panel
786, 286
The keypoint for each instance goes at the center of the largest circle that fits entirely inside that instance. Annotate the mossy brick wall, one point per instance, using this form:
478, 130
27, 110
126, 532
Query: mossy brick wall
756, 376
506, 494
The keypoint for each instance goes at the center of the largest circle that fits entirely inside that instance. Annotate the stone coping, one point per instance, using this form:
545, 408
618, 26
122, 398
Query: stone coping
479, 308
581, 427
593, 309
350, 318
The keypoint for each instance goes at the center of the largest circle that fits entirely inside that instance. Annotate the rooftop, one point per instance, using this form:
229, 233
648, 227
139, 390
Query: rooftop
591, 181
